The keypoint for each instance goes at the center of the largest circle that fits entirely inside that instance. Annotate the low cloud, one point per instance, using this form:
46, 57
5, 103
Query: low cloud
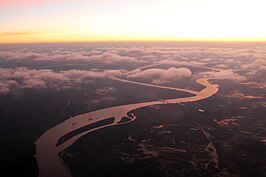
160, 76
256, 69
221, 66
103, 100
181, 63
14, 80
224, 74
106, 57
102, 58
239, 95
20, 55
258, 64
105, 91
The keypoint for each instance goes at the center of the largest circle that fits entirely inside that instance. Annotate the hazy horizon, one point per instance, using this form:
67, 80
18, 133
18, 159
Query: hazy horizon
132, 20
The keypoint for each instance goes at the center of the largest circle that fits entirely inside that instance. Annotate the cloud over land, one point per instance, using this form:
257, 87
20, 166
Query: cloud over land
13, 80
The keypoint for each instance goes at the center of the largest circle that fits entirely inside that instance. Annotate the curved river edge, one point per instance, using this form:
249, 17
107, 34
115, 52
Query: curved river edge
48, 152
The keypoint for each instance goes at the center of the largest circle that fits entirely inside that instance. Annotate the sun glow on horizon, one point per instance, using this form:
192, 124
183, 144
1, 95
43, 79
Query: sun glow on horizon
133, 20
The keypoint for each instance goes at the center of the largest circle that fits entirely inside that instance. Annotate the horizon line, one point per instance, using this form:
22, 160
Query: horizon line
140, 41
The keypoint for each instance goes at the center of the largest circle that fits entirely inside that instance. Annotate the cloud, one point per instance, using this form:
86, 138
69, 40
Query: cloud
239, 95
258, 64
160, 76
233, 57
111, 58
106, 57
103, 100
255, 68
20, 55
168, 62
105, 91
14, 80
221, 66
224, 74
180, 63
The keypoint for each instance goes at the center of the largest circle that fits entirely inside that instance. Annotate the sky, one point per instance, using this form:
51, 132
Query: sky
23, 21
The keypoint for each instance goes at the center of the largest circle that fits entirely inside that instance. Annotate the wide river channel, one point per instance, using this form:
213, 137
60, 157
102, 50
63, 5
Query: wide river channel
48, 148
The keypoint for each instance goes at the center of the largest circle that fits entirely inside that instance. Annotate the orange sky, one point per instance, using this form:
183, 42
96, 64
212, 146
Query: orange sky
131, 20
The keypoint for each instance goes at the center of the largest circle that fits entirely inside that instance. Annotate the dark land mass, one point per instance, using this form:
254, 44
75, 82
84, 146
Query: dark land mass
24, 116
176, 140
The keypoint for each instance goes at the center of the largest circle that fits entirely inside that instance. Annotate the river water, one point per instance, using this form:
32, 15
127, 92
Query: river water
48, 152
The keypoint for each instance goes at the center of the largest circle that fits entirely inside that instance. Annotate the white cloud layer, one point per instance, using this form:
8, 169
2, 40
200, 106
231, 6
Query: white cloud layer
105, 57
160, 76
23, 78
224, 74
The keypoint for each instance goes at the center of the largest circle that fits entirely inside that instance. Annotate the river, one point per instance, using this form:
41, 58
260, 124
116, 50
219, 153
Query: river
48, 151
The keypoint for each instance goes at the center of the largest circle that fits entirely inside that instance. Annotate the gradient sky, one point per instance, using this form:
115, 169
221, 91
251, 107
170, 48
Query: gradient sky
131, 20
